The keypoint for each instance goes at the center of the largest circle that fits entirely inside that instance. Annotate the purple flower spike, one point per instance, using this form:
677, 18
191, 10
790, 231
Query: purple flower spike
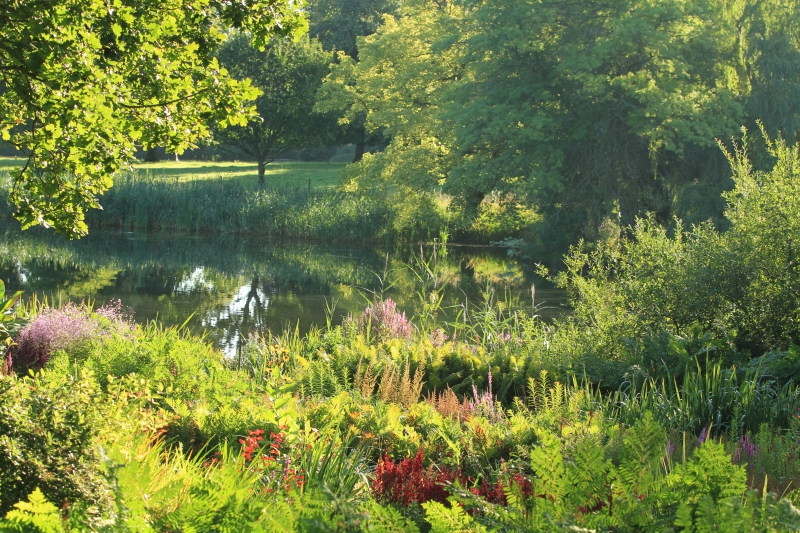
703, 436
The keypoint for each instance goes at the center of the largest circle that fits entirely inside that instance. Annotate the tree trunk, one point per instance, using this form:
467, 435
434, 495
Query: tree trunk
262, 167
359, 152
151, 156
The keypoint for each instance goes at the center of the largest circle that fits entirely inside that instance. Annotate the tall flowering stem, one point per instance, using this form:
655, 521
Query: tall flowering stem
385, 322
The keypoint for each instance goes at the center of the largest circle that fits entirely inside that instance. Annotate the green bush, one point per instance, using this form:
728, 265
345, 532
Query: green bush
661, 299
50, 427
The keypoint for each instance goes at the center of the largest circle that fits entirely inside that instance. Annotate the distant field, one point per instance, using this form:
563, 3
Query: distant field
322, 175
10, 163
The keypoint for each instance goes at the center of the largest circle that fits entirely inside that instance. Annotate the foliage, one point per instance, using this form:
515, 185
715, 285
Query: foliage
49, 426
407, 482
638, 412
35, 515
232, 207
396, 63
288, 73
568, 117
338, 24
735, 402
70, 329
11, 320
84, 83
657, 300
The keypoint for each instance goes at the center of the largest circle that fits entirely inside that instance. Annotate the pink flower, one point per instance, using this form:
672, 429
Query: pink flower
384, 321
69, 328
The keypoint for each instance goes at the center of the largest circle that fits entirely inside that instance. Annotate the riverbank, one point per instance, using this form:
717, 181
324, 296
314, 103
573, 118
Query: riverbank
299, 201
372, 424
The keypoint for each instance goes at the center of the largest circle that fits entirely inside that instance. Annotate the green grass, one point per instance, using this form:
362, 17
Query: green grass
292, 175
10, 164
322, 175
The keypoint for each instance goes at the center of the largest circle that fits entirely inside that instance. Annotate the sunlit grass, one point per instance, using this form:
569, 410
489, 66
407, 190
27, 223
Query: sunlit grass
321, 175
10, 164
295, 174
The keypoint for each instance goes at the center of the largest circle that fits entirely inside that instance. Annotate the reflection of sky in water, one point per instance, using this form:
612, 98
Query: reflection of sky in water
242, 303
236, 286
193, 282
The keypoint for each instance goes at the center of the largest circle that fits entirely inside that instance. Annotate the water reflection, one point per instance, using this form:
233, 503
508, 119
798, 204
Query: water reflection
235, 286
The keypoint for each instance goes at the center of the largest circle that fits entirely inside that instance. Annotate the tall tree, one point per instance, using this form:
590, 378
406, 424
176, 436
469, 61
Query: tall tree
591, 110
338, 24
581, 111
399, 85
83, 81
288, 73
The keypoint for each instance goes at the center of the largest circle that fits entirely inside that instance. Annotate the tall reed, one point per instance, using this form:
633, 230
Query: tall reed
723, 399
208, 205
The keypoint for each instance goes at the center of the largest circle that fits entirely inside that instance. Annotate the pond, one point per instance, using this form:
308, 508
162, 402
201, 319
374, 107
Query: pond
228, 287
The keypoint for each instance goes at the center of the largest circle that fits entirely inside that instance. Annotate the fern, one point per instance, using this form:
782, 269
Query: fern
548, 465
37, 515
387, 519
639, 473
450, 520
751, 514
588, 475
710, 472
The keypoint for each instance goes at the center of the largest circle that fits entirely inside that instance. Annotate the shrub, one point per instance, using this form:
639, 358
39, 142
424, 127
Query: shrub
732, 293
408, 482
48, 431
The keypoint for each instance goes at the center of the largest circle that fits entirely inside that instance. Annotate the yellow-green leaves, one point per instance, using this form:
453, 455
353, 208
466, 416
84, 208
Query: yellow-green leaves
85, 82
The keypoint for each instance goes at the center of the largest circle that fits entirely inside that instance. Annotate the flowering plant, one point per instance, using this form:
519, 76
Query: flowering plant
69, 328
384, 321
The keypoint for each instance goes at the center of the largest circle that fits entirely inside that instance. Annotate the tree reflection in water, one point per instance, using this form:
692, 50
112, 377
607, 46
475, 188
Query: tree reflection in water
238, 286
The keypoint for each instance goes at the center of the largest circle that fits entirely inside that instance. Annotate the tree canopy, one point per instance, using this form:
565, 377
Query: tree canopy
288, 73
82, 82
338, 24
580, 111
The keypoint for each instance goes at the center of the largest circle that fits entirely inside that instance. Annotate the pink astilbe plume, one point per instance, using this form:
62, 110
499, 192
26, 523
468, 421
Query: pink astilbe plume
68, 328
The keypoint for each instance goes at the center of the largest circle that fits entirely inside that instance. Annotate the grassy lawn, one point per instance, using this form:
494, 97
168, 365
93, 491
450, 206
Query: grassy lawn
11, 164
322, 175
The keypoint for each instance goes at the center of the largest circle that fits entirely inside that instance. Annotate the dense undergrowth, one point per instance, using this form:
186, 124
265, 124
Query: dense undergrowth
353, 428
665, 402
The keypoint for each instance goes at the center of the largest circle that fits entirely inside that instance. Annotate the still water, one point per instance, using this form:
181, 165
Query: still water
233, 286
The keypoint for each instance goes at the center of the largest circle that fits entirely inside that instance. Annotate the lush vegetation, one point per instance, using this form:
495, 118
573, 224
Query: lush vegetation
568, 114
494, 420
288, 73
665, 401
85, 82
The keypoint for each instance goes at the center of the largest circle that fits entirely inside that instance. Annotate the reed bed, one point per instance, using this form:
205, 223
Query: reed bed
229, 206
232, 206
